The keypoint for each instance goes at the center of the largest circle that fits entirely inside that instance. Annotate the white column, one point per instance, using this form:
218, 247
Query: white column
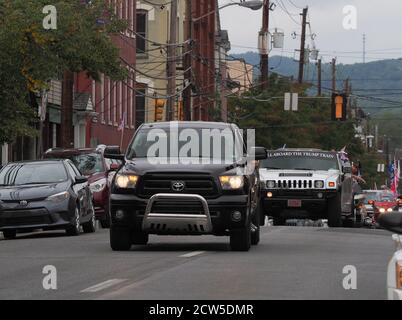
4, 154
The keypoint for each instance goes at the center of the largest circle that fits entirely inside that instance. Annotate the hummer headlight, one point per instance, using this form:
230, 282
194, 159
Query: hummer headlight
126, 181
382, 210
271, 184
319, 184
231, 182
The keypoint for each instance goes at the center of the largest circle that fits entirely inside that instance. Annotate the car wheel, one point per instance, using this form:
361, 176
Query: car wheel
105, 223
90, 227
140, 238
10, 234
335, 211
120, 239
74, 230
240, 239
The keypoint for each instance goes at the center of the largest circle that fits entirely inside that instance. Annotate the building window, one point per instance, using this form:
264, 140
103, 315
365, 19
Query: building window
140, 104
142, 18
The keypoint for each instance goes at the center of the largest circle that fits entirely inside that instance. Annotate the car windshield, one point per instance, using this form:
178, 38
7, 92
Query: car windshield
300, 161
371, 196
89, 164
216, 144
388, 197
32, 173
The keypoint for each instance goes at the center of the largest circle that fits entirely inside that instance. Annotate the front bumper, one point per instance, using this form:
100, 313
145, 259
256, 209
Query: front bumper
37, 215
181, 210
311, 200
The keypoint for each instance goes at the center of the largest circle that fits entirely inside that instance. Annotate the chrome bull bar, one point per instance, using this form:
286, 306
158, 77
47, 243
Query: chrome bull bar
177, 223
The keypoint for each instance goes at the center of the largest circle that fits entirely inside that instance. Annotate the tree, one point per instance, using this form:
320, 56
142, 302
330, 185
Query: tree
31, 55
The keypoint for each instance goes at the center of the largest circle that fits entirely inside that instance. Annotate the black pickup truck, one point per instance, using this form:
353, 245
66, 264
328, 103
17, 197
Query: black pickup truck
182, 178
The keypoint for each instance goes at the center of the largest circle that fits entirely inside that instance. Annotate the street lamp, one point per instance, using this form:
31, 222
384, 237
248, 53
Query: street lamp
252, 4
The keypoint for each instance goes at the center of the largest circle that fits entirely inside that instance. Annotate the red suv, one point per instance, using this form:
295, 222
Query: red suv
98, 169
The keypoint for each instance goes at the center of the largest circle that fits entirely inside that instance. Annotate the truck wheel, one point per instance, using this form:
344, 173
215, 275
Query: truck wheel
10, 234
240, 239
120, 239
335, 211
140, 238
279, 221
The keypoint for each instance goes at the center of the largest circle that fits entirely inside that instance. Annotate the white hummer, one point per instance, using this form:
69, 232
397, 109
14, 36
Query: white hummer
307, 183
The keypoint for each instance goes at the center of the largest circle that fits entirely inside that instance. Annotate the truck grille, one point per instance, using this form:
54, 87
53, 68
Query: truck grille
295, 184
200, 184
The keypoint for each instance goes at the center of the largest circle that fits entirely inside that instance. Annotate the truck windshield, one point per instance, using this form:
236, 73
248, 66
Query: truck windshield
300, 161
216, 144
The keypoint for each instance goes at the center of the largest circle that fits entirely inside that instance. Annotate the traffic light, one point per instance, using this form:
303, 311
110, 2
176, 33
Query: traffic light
159, 109
339, 107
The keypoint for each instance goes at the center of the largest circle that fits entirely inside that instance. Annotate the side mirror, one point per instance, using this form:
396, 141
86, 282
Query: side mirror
260, 153
391, 221
114, 153
80, 179
347, 169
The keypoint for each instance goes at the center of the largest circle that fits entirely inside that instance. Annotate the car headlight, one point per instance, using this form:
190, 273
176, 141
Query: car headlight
319, 184
382, 210
271, 184
98, 186
231, 182
126, 181
390, 210
59, 197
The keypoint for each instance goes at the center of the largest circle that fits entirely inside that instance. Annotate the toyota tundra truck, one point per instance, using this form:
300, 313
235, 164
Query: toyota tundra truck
307, 183
183, 178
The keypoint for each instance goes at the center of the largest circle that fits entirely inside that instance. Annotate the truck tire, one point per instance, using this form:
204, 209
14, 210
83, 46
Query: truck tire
10, 234
120, 239
335, 211
279, 221
240, 239
140, 238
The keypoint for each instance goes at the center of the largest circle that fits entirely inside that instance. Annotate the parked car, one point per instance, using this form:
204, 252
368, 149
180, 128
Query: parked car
387, 202
393, 223
197, 194
46, 194
99, 171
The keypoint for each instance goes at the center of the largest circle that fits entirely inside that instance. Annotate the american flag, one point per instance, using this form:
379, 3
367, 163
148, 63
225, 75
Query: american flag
396, 172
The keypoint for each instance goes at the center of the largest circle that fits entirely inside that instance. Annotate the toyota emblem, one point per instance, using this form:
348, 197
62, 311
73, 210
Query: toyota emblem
23, 203
178, 186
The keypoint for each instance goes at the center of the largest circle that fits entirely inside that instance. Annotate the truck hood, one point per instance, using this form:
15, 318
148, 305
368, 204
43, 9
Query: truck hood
268, 174
144, 166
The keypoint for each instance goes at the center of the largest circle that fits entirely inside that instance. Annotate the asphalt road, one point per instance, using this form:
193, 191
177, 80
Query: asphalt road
290, 263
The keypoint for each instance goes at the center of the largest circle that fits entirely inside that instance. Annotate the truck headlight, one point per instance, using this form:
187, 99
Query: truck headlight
271, 184
59, 197
382, 210
231, 182
319, 184
98, 186
124, 181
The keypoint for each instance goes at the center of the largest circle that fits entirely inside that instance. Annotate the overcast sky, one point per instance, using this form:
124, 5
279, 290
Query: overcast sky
381, 21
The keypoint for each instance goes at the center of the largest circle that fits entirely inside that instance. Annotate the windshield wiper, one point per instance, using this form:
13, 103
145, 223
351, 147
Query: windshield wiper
303, 169
273, 168
28, 183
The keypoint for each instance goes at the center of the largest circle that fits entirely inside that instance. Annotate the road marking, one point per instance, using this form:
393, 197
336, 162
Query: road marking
192, 254
103, 285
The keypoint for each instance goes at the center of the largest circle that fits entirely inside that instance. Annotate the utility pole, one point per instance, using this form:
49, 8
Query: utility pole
303, 45
187, 61
319, 71
264, 52
171, 61
67, 130
364, 48
333, 75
